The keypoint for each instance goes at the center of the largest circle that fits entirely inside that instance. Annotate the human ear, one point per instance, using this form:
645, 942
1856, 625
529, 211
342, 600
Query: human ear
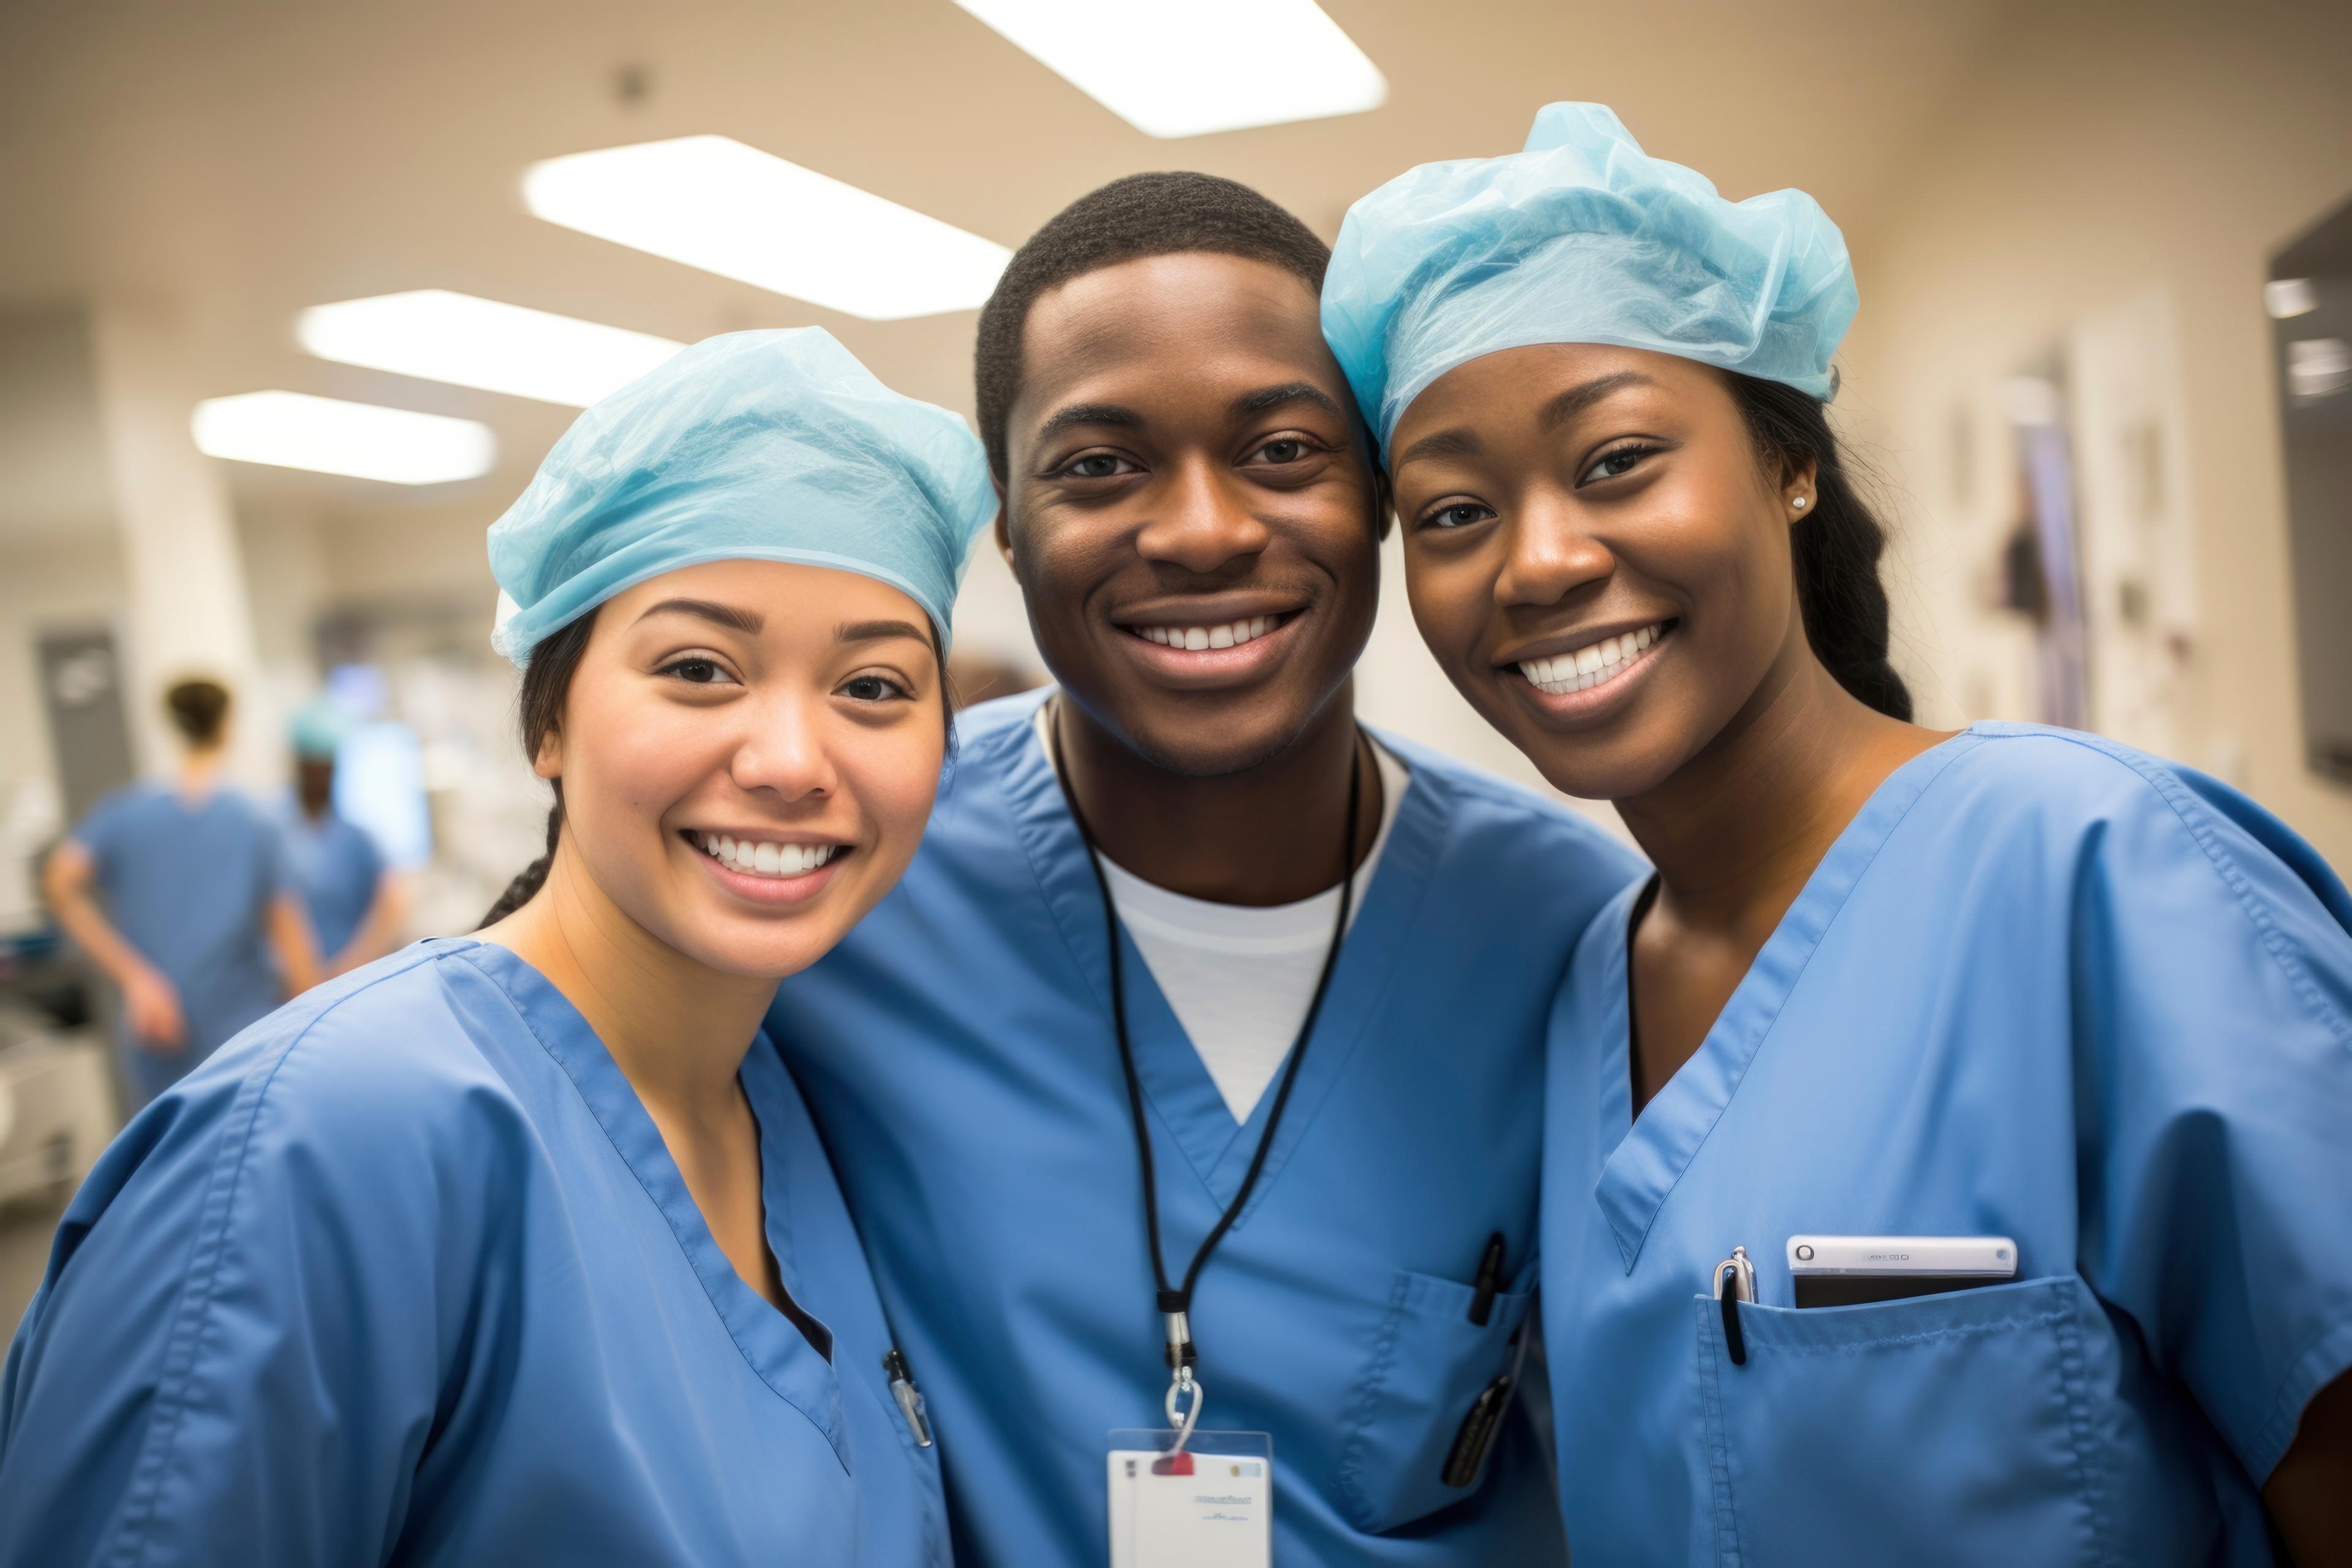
1800, 490
1384, 504
547, 762
1003, 524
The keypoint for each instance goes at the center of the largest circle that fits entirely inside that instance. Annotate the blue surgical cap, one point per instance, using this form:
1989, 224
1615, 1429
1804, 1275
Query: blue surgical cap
1581, 238
316, 730
771, 446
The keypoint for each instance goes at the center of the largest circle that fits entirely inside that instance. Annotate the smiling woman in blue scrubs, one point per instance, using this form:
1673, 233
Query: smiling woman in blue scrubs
2012, 980
523, 1248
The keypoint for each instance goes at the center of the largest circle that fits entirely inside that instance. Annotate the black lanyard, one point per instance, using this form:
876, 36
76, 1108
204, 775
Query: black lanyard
1176, 1304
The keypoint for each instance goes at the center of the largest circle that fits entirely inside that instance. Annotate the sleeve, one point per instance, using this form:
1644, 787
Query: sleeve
277, 860
240, 1345
99, 831
2213, 1018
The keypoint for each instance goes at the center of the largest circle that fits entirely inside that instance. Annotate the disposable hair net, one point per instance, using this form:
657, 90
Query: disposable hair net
1581, 238
316, 730
770, 445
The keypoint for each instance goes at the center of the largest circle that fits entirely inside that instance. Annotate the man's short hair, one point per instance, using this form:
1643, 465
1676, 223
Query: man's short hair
1140, 215
199, 708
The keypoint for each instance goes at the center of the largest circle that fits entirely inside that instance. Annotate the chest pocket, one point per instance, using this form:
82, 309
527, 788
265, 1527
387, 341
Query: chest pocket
1947, 1428
1428, 1366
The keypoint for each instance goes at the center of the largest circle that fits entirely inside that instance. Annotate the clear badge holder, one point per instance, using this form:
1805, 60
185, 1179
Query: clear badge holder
1183, 1498
1209, 1501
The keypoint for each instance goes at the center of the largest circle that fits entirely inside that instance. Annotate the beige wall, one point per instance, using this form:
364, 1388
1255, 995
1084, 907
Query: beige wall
2110, 156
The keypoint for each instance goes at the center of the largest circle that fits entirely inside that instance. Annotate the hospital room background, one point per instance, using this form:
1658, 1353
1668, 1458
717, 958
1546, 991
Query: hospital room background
293, 299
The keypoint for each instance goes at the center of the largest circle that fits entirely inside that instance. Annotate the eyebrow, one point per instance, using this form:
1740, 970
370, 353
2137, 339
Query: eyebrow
1577, 399
876, 631
746, 621
1272, 398
1089, 414
1463, 442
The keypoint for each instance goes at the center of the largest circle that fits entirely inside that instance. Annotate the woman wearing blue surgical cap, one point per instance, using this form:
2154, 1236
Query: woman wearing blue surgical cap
2070, 1026
522, 1248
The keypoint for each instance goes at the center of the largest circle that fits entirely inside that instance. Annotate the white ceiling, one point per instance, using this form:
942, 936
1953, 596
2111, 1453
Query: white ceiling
234, 161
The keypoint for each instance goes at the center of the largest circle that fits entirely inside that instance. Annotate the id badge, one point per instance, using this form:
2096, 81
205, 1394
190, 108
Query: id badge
1207, 1505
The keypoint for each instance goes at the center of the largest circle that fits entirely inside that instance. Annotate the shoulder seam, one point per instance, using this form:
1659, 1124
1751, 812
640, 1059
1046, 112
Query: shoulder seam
2283, 949
185, 1343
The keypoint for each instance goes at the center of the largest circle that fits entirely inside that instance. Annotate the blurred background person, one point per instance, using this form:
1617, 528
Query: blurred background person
355, 900
199, 927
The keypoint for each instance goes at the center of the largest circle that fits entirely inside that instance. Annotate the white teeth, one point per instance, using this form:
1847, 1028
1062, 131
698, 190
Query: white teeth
1591, 664
1196, 639
769, 860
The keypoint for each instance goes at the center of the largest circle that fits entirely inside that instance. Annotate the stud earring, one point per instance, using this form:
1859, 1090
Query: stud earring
1799, 503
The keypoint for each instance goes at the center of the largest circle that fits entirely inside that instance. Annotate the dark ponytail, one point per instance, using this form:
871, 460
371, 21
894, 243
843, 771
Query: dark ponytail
1836, 544
545, 683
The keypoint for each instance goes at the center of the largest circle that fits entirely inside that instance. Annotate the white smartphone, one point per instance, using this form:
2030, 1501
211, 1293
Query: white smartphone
1849, 1270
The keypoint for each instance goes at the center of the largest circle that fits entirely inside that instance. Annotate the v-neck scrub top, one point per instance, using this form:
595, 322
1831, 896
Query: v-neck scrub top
957, 1051
406, 1275
2043, 986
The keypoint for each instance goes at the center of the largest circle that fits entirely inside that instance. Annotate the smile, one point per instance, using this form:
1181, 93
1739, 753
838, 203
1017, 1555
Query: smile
1594, 664
1198, 639
765, 857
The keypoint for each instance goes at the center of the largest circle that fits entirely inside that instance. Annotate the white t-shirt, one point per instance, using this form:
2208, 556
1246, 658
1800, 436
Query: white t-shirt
1239, 977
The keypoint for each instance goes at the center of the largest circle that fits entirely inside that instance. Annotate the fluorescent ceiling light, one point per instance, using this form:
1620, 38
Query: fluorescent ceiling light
456, 338
1185, 68
2288, 296
328, 435
715, 203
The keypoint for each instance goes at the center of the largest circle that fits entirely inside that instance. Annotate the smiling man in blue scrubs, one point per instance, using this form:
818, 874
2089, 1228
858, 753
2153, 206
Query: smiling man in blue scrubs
1192, 514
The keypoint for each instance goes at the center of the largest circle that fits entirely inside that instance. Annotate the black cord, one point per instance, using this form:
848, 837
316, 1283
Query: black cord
1181, 1299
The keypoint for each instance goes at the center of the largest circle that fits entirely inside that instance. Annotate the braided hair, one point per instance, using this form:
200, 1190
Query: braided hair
545, 684
1836, 545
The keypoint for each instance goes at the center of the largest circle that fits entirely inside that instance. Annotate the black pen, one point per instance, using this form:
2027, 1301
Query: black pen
1489, 1280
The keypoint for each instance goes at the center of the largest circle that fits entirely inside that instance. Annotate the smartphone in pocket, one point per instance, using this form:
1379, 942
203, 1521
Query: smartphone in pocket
1850, 1270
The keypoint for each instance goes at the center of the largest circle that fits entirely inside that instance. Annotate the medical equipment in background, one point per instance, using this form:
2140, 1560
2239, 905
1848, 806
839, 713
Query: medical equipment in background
57, 1104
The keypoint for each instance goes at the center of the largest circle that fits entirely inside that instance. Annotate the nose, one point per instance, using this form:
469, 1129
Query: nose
784, 750
1200, 522
1549, 555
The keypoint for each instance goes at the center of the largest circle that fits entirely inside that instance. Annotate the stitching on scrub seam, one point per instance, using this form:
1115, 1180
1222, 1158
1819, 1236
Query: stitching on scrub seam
2283, 949
1367, 1401
1725, 1516
2321, 1363
2078, 1427
1922, 1337
1769, 1020
824, 1428
185, 1347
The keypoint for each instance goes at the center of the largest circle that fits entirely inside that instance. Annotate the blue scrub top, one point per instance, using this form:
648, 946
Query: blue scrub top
2043, 986
958, 1050
189, 883
406, 1275
336, 867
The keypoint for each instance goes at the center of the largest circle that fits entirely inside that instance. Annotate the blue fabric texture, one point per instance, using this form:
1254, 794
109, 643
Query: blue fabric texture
1580, 238
768, 445
188, 882
957, 1050
2043, 986
337, 868
405, 1275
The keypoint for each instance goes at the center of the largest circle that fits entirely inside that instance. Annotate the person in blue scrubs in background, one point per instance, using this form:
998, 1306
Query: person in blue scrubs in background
522, 1248
2011, 981
351, 894
1190, 511
181, 892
